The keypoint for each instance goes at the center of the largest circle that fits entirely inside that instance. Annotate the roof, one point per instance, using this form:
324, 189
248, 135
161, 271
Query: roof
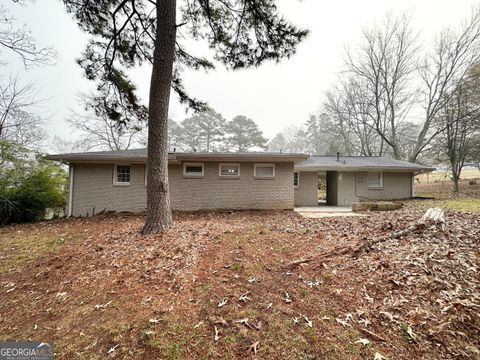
140, 156
357, 163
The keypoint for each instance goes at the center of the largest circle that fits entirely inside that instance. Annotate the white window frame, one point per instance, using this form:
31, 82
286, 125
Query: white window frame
377, 187
121, 183
263, 165
228, 164
193, 164
298, 179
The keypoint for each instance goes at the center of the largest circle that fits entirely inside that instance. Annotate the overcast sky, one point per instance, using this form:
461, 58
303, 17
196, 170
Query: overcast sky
274, 95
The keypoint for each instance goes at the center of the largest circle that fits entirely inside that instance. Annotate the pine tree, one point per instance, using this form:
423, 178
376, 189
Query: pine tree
191, 134
127, 33
243, 134
212, 129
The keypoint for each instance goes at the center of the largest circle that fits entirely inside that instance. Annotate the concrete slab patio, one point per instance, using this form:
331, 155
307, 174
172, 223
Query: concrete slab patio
323, 211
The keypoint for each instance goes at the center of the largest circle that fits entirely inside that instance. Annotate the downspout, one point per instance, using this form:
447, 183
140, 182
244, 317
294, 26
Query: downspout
70, 190
412, 185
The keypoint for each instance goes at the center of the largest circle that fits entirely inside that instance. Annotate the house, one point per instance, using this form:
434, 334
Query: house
354, 178
116, 180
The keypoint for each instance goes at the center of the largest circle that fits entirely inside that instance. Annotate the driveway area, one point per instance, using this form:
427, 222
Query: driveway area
322, 211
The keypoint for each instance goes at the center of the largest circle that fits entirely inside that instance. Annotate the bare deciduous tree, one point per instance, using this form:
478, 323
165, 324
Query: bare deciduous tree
349, 109
384, 80
20, 121
19, 40
101, 131
382, 68
460, 120
446, 66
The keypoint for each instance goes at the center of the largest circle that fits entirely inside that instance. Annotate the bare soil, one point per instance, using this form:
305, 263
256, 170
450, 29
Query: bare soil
245, 284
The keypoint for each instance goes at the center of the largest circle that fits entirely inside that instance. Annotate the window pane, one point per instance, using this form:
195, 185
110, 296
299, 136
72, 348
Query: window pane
264, 171
229, 170
375, 179
193, 170
295, 179
123, 173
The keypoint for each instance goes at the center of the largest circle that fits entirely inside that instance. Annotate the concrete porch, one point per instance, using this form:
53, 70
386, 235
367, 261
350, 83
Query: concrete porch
323, 211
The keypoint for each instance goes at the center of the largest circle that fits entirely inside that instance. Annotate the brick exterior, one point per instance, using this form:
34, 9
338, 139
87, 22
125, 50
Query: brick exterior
306, 194
93, 189
347, 187
352, 186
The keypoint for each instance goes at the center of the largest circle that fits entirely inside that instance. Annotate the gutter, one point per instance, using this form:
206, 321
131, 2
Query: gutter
70, 189
178, 158
363, 168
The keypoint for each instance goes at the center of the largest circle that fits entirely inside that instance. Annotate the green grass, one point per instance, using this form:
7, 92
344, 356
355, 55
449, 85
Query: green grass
18, 250
169, 337
443, 176
467, 205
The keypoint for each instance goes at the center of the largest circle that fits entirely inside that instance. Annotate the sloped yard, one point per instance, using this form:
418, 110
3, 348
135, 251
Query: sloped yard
245, 284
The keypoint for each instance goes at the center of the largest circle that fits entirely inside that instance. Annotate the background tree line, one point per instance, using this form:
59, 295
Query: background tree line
28, 185
205, 131
418, 102
390, 99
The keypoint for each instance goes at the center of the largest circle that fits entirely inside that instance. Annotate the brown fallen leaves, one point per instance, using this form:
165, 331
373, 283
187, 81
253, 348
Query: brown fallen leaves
416, 295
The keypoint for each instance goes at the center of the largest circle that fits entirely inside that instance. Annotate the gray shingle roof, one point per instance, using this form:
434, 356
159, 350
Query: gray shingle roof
140, 155
303, 162
355, 163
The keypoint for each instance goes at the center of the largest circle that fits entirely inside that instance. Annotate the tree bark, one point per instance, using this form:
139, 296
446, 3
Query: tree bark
159, 215
456, 188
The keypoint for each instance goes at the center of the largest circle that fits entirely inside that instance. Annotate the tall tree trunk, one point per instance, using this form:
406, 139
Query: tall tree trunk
159, 215
456, 188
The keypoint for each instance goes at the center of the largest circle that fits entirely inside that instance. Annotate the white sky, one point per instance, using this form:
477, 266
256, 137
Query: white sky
274, 95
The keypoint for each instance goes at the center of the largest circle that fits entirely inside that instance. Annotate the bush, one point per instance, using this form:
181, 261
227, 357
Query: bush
27, 192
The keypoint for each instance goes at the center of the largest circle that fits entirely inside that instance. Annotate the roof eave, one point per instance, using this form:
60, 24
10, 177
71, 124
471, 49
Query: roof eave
363, 168
177, 158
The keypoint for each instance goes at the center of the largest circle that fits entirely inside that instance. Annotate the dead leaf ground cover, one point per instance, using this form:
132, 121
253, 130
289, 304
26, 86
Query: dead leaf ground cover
468, 189
230, 285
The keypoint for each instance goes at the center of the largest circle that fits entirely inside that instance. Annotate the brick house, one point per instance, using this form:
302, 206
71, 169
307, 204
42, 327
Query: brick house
116, 180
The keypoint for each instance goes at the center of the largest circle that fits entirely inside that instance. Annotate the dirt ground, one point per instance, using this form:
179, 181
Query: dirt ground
259, 285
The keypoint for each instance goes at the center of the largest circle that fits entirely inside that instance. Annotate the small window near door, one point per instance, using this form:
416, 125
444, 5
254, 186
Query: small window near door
296, 179
229, 170
193, 169
264, 171
375, 180
121, 175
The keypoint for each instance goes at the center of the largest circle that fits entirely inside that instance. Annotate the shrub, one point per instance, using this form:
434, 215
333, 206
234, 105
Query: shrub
27, 192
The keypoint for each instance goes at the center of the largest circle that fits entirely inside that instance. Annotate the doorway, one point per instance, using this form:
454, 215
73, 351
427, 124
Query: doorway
331, 188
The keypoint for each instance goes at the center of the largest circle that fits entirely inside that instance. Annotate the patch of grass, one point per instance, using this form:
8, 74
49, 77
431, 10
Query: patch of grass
284, 334
18, 250
253, 269
203, 289
117, 331
236, 266
468, 205
425, 195
170, 337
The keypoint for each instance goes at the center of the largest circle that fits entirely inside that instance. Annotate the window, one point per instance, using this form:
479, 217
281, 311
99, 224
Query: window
375, 180
193, 169
229, 170
121, 175
295, 179
264, 170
